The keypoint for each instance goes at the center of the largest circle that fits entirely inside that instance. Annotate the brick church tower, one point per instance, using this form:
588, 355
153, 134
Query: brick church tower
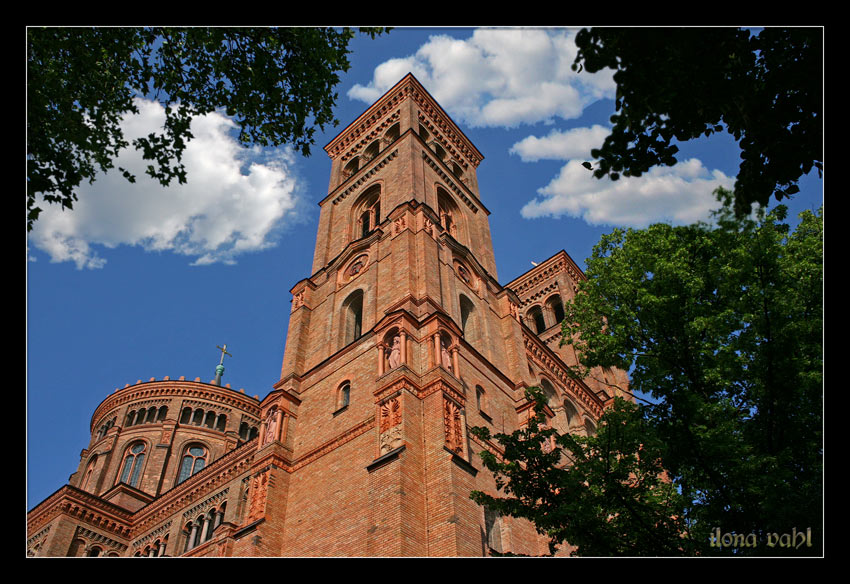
400, 340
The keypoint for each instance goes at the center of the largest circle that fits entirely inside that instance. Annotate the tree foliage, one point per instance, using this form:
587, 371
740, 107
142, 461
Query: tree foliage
722, 326
277, 83
606, 494
677, 84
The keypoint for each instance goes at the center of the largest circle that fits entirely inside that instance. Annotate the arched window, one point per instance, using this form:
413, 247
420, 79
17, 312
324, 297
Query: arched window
209, 421
548, 391
198, 417
94, 552
131, 467
343, 395
570, 412
368, 211
457, 170
351, 168
480, 398
492, 529
187, 532
185, 415
535, 315
557, 307
468, 322
590, 428
221, 423
131, 417
353, 315
151, 417
438, 150
163, 411
209, 520
194, 460
392, 134
140, 416
372, 150
84, 484
560, 420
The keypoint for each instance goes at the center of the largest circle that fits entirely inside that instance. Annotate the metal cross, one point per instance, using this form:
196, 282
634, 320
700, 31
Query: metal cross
223, 353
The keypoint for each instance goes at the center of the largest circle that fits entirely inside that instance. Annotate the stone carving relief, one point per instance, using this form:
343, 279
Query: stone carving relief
428, 226
297, 300
390, 425
515, 311
259, 490
399, 225
355, 267
453, 422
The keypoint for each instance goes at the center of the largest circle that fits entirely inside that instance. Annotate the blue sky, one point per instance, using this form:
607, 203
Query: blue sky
140, 281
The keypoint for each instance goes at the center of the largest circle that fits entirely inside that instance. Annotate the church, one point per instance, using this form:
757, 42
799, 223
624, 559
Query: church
400, 340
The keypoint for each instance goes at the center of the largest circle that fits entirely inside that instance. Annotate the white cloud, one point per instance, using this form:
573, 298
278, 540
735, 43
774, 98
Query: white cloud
234, 202
561, 145
508, 77
680, 194
498, 77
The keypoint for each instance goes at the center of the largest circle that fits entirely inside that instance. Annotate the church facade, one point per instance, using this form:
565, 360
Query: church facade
399, 342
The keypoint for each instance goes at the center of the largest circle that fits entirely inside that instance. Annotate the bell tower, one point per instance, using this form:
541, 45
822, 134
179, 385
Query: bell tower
396, 333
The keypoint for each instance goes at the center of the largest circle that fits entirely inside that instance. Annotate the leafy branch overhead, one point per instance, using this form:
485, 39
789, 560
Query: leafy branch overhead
677, 84
277, 84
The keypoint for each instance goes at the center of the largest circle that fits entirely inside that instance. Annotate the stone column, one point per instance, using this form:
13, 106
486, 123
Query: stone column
192, 534
454, 350
205, 528
403, 335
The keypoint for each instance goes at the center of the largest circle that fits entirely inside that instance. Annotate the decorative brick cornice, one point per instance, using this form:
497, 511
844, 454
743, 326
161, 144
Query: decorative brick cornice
547, 360
441, 385
103, 419
393, 388
153, 390
204, 506
84, 507
365, 140
363, 125
152, 535
560, 262
99, 538
543, 292
191, 402
362, 177
457, 144
462, 192
407, 87
38, 538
